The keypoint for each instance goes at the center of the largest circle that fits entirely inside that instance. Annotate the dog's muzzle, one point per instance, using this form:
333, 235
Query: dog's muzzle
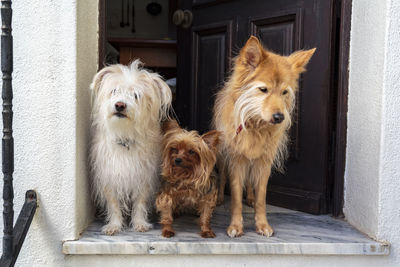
178, 161
277, 118
120, 108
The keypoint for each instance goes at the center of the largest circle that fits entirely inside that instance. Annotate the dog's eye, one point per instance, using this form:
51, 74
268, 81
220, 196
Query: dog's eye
114, 91
191, 152
136, 96
284, 92
174, 150
263, 89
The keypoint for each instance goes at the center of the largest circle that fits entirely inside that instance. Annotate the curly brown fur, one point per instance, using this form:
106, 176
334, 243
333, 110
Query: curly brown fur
188, 179
253, 112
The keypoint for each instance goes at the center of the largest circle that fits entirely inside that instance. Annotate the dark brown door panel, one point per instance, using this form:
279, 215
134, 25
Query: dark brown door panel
281, 31
211, 50
218, 31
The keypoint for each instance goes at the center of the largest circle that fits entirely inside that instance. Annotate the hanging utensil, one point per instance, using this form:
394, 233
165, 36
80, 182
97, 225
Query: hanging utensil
127, 14
122, 24
133, 16
154, 8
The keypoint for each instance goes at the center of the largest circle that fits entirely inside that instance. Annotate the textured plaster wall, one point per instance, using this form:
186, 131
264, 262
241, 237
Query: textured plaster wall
364, 113
86, 67
55, 57
389, 178
372, 179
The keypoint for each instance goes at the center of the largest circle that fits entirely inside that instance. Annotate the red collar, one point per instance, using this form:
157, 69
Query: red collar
239, 129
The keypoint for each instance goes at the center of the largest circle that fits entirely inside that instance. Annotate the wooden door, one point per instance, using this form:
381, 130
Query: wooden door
219, 30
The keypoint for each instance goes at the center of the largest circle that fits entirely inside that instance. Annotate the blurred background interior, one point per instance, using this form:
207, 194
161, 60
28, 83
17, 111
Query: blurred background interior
142, 29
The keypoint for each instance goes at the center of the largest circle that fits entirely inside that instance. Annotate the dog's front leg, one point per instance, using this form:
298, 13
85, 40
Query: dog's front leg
206, 208
261, 172
139, 212
164, 205
237, 175
114, 215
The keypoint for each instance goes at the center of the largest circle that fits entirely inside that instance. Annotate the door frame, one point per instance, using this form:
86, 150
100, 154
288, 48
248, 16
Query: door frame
340, 143
342, 73
102, 34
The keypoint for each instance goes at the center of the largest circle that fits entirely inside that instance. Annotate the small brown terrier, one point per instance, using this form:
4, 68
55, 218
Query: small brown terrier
188, 179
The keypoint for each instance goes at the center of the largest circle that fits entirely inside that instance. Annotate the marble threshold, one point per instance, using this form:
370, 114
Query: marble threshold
296, 233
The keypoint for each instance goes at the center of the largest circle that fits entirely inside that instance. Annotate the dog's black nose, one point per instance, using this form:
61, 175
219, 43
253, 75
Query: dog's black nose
120, 106
178, 161
278, 117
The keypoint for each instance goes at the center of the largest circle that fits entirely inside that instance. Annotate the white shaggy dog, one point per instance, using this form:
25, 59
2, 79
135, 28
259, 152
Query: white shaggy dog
128, 104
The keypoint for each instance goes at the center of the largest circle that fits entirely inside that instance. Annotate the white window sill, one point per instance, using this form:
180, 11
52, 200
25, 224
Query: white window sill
296, 233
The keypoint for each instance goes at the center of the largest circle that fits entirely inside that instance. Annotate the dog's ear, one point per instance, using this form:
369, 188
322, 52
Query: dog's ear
170, 125
212, 139
299, 59
252, 53
98, 78
166, 96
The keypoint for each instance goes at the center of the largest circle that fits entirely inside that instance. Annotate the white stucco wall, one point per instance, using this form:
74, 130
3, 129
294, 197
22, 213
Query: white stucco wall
372, 179
389, 193
55, 57
364, 113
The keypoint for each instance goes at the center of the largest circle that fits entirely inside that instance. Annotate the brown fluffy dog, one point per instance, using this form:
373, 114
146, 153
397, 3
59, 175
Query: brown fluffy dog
188, 180
253, 111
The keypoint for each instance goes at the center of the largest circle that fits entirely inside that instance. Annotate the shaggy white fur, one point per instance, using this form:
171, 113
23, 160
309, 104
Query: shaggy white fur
128, 104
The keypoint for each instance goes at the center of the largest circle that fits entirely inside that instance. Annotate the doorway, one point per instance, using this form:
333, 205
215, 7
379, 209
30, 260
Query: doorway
195, 59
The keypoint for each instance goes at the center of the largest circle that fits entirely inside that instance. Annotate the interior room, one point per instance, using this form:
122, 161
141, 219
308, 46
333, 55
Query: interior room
142, 29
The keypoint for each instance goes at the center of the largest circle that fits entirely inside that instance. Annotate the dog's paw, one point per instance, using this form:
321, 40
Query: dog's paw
142, 227
234, 230
167, 233
111, 229
265, 230
207, 234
